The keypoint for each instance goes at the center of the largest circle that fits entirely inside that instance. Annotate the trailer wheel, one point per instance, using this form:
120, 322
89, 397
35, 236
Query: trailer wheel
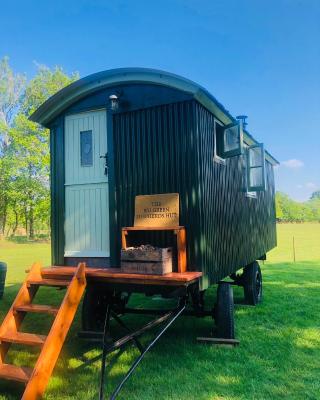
224, 312
252, 283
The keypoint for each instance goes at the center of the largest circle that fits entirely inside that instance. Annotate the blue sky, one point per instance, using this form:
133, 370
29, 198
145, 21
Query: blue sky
257, 57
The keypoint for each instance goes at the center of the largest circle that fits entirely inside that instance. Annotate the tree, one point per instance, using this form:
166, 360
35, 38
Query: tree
30, 182
314, 205
30, 145
6, 171
288, 210
12, 87
279, 212
45, 84
315, 195
33, 141
24, 159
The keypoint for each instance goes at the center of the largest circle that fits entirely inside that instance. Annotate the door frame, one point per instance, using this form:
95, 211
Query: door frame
57, 185
112, 189
84, 183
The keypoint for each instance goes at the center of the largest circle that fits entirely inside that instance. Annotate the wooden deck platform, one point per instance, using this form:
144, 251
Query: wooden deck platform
114, 275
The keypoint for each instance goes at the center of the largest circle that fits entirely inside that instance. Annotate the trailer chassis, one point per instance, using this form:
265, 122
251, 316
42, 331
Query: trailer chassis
164, 318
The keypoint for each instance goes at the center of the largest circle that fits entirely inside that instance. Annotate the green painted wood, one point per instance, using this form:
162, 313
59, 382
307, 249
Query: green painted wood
235, 229
156, 152
112, 191
170, 148
136, 96
57, 191
86, 188
3, 273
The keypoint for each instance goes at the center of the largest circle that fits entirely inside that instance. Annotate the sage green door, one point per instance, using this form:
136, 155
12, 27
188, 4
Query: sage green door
86, 185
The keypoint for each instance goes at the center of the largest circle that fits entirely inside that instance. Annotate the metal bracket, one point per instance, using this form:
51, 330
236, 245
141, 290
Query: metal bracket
167, 318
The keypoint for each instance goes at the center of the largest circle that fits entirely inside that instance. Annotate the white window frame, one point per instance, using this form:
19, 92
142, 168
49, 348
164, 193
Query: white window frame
231, 153
252, 195
216, 156
262, 187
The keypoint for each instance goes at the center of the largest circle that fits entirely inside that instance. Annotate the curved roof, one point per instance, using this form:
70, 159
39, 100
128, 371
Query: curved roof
100, 80
67, 96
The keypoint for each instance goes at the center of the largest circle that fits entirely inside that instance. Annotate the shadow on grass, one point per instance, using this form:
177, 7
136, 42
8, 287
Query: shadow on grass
275, 359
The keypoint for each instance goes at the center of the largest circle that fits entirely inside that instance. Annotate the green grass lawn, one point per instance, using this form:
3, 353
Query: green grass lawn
278, 357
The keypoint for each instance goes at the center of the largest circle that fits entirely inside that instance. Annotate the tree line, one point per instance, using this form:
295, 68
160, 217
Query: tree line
288, 210
24, 148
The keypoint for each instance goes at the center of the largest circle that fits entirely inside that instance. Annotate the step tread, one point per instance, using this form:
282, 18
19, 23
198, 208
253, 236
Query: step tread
14, 373
37, 308
48, 282
30, 339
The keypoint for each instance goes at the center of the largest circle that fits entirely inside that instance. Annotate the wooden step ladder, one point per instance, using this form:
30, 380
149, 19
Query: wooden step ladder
36, 379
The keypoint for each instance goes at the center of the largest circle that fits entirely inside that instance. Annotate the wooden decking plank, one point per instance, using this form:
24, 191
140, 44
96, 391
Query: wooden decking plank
14, 373
37, 308
114, 275
48, 282
30, 339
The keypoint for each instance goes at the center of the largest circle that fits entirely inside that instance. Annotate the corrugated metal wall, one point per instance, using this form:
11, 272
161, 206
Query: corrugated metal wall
235, 229
155, 152
170, 148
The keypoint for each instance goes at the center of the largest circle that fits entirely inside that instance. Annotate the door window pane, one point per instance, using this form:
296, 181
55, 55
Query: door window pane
86, 148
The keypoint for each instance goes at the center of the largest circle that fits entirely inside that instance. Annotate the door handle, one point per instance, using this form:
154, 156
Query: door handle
106, 165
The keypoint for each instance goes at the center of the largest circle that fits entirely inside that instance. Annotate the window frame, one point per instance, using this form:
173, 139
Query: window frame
221, 158
244, 169
263, 186
216, 157
238, 151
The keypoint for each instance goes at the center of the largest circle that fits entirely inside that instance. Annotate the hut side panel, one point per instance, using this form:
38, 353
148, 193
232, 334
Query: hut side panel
235, 229
170, 148
156, 151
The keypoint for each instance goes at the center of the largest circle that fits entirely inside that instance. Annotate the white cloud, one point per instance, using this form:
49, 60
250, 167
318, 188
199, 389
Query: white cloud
311, 185
293, 163
299, 186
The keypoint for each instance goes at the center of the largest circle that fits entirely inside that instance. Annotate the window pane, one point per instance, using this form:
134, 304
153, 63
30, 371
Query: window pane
219, 140
255, 157
244, 171
256, 177
86, 148
231, 138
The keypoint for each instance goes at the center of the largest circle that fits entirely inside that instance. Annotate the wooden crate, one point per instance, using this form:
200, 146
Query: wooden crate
146, 260
179, 232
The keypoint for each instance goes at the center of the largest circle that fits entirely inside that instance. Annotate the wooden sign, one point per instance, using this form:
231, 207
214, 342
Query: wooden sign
157, 210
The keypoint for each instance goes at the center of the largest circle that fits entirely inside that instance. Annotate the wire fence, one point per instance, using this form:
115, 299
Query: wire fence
297, 243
